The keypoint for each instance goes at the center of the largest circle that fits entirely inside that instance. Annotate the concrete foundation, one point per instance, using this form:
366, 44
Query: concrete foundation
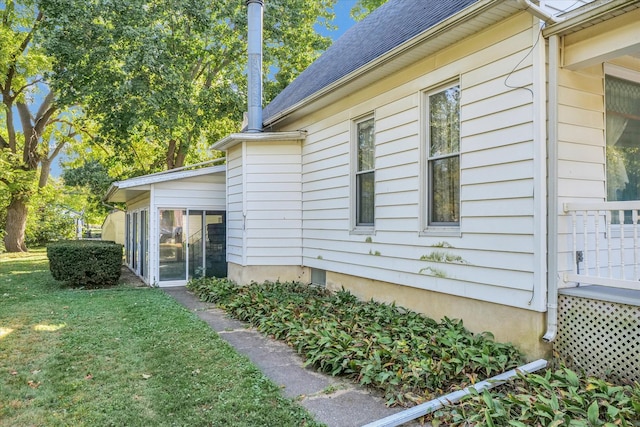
262, 273
523, 328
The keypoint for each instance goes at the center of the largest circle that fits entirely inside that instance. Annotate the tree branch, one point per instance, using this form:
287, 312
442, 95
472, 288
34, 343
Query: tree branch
21, 49
19, 91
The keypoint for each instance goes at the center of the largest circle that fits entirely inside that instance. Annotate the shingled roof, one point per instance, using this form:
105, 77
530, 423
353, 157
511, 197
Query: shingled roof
389, 26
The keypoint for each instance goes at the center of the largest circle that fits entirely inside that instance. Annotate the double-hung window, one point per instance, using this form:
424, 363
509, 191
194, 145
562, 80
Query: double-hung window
365, 173
443, 157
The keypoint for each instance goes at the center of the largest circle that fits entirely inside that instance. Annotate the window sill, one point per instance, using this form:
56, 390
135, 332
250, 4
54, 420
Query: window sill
441, 232
360, 231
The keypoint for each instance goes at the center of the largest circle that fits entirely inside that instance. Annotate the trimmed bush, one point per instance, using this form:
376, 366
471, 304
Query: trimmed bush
85, 263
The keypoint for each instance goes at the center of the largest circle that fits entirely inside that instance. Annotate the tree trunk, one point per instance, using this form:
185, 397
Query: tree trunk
16, 225
45, 170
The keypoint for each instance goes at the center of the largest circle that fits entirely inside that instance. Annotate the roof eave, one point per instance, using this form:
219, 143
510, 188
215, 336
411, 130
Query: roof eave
578, 17
236, 138
445, 25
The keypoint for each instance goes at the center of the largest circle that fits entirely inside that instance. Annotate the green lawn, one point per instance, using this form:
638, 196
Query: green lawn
123, 356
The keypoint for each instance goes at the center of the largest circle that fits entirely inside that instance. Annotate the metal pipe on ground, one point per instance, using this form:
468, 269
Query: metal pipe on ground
437, 403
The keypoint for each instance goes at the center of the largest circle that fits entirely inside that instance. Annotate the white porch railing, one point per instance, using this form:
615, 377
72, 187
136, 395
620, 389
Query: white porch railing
605, 243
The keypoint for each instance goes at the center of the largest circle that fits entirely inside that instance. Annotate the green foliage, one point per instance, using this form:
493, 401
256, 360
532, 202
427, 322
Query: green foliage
408, 356
50, 219
365, 7
555, 398
85, 263
445, 257
166, 79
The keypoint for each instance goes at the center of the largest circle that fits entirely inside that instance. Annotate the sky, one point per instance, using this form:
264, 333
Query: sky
343, 20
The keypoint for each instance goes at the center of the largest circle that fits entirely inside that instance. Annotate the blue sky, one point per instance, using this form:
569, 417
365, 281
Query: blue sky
343, 21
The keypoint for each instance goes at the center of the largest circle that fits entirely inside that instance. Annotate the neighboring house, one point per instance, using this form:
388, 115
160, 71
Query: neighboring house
409, 163
113, 227
175, 224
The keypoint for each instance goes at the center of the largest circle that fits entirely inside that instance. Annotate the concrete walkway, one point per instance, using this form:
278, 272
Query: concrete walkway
333, 401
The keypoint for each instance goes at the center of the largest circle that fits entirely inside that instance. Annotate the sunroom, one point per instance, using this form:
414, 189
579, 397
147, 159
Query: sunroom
175, 225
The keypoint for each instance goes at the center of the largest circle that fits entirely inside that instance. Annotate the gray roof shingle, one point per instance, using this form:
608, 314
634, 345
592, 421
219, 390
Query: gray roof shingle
387, 27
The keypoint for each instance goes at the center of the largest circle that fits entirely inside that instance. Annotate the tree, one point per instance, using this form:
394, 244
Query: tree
33, 128
164, 79
365, 7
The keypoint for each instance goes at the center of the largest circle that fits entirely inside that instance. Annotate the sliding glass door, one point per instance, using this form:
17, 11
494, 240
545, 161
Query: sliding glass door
192, 244
172, 260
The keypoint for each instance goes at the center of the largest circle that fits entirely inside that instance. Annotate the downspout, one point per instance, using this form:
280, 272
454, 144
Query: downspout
552, 171
254, 42
552, 193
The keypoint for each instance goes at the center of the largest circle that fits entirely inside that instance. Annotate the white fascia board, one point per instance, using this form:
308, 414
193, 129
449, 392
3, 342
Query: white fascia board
143, 182
169, 176
236, 138
596, 12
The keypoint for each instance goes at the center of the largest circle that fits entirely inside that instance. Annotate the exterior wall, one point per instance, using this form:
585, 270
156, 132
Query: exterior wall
244, 275
203, 192
500, 228
265, 208
235, 207
508, 324
113, 227
581, 118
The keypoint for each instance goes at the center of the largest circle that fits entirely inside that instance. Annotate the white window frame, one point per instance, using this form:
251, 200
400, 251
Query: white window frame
426, 228
356, 228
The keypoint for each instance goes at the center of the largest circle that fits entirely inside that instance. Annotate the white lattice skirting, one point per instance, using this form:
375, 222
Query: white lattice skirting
601, 338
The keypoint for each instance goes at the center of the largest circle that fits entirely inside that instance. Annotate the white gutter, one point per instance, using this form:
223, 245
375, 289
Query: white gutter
435, 404
552, 192
538, 12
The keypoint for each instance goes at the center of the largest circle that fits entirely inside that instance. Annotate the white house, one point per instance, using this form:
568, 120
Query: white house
175, 225
433, 156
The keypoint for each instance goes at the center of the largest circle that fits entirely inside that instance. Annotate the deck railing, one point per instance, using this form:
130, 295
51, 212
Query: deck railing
605, 244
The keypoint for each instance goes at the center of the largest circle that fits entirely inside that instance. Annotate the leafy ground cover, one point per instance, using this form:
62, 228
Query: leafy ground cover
408, 356
124, 356
552, 398
413, 358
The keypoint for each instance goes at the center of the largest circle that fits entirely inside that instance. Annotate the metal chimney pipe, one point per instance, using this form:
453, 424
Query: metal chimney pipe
255, 11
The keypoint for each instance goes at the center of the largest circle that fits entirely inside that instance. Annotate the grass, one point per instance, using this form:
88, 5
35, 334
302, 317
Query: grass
120, 356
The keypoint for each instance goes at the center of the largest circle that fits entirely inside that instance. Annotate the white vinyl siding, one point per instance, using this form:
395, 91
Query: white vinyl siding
272, 233
495, 250
581, 148
235, 220
205, 192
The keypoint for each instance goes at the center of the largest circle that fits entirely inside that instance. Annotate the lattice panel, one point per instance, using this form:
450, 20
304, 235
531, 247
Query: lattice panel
599, 337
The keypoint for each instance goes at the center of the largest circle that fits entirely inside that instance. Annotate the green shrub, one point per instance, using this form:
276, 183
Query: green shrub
85, 263
408, 356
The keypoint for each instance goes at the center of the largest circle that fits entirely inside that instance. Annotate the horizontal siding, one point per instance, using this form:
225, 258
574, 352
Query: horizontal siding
273, 193
497, 170
235, 223
581, 148
192, 194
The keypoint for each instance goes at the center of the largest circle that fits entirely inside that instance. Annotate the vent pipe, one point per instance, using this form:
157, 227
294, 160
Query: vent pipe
254, 11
